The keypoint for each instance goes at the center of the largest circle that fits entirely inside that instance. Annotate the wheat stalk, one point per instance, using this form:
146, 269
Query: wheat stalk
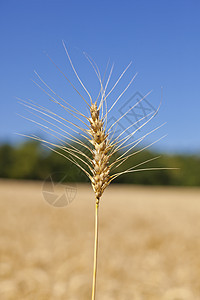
94, 136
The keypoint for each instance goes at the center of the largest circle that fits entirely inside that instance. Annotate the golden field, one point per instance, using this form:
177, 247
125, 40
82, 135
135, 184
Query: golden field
149, 243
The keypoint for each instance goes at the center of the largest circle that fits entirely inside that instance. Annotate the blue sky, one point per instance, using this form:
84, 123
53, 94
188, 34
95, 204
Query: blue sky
161, 38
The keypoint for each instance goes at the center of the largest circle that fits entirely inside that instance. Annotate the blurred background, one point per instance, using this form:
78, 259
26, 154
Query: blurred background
160, 38
149, 225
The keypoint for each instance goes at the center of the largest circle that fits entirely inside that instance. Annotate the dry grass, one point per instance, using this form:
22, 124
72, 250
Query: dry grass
103, 144
149, 244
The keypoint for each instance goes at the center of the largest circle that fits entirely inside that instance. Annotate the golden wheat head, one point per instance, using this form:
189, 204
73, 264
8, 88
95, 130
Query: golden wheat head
94, 137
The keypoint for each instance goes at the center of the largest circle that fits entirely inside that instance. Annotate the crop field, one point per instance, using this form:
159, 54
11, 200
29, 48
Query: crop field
149, 245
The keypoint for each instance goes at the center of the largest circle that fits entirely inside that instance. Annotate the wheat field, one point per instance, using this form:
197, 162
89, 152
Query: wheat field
149, 243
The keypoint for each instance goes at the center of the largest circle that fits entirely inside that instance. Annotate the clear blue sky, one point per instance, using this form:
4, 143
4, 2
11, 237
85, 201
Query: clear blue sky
162, 38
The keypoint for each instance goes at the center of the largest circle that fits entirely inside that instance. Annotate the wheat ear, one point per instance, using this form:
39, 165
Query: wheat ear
94, 135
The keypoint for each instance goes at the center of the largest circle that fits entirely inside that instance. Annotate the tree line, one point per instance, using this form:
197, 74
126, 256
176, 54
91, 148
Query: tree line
30, 160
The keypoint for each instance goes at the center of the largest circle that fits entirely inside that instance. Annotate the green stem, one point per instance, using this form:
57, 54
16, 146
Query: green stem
95, 251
